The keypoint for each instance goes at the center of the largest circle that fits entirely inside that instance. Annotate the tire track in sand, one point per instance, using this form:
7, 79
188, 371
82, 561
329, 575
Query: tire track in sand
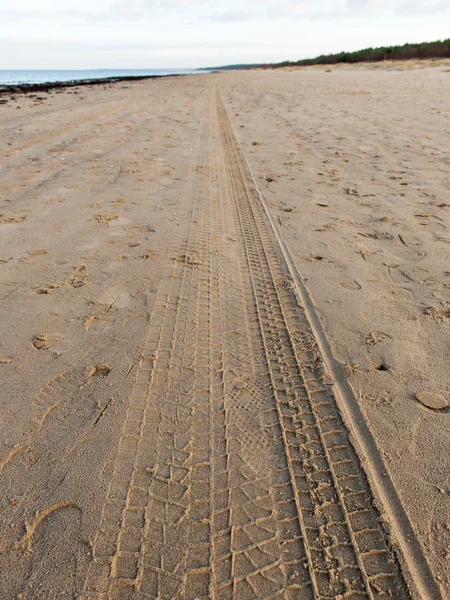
235, 477
410, 552
342, 538
151, 420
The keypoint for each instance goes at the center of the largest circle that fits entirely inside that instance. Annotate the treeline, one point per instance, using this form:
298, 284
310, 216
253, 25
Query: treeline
230, 67
438, 49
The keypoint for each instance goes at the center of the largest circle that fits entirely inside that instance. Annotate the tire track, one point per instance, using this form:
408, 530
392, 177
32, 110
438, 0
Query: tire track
345, 545
246, 553
235, 478
119, 542
410, 553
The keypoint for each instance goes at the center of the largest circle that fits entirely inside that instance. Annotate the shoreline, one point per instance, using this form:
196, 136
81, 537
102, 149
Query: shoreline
27, 88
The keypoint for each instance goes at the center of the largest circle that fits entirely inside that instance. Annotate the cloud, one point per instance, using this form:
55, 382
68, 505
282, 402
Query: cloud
423, 7
187, 12
197, 45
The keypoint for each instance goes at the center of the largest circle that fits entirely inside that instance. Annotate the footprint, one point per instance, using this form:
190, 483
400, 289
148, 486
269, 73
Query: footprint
114, 296
98, 322
106, 218
75, 282
376, 337
439, 313
38, 252
315, 258
100, 370
326, 227
432, 401
62, 389
51, 394
80, 279
47, 288
352, 192
377, 235
41, 342
12, 220
189, 259
351, 285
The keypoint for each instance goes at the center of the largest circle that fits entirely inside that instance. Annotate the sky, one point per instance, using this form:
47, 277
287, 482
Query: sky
88, 34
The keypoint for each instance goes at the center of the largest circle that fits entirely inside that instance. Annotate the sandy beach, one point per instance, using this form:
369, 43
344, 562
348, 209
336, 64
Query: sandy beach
224, 355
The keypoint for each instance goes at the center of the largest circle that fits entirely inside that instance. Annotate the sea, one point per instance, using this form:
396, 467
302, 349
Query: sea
33, 76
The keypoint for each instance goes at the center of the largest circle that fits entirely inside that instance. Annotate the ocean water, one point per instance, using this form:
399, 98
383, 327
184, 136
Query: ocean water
17, 77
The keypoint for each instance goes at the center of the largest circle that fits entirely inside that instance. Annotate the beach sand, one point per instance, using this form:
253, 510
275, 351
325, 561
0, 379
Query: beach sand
156, 348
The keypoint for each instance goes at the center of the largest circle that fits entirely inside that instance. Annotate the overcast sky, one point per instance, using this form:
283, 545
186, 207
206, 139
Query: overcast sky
83, 34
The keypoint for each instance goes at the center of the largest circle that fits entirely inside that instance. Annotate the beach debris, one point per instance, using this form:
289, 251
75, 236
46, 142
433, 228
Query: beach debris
103, 410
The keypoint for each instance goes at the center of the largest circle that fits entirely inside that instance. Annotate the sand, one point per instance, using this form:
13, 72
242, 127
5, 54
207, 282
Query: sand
178, 337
